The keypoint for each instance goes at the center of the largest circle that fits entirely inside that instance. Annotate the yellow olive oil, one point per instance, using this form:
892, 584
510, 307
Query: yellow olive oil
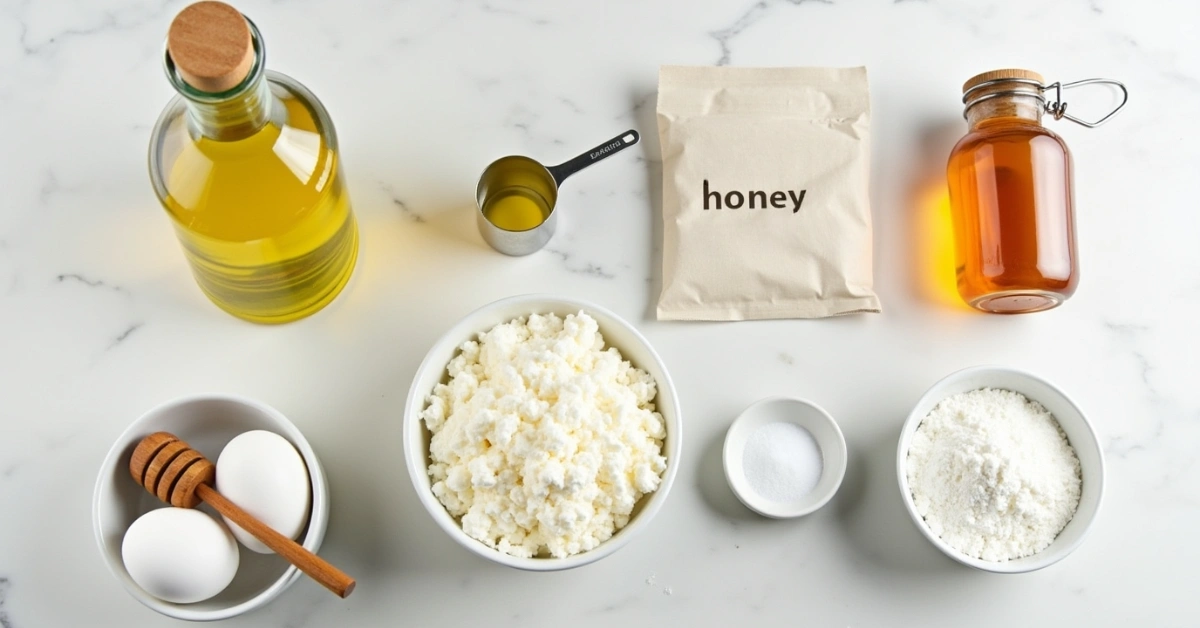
516, 208
265, 219
245, 161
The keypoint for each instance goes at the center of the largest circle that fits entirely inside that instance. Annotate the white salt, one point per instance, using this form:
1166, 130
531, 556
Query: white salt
782, 461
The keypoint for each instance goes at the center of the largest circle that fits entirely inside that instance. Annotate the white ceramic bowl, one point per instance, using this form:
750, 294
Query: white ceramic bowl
1073, 422
805, 414
207, 423
617, 333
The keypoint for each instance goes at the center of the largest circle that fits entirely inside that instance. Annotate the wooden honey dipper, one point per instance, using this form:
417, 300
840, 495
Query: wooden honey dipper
179, 475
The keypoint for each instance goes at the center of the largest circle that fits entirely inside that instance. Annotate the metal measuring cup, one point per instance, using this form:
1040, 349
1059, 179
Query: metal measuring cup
516, 196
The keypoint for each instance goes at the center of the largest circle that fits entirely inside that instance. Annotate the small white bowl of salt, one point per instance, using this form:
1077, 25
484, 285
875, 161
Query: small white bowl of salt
784, 457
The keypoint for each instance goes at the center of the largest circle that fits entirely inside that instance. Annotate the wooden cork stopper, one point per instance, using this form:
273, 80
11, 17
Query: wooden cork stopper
211, 46
1011, 73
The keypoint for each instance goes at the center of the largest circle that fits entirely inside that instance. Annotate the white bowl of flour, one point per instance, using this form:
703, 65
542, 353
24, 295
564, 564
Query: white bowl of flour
1000, 470
531, 444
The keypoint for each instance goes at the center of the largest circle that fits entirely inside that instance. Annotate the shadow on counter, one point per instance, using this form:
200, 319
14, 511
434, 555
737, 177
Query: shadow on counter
872, 515
714, 488
643, 110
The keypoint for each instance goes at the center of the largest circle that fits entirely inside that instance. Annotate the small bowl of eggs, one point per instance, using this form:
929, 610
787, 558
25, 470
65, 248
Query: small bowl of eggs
191, 563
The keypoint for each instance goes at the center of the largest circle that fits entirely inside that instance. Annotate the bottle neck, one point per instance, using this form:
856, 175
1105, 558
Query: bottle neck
237, 113
1008, 100
1024, 108
235, 116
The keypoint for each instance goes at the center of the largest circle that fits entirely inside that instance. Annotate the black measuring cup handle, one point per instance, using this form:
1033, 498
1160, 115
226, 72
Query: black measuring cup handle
607, 149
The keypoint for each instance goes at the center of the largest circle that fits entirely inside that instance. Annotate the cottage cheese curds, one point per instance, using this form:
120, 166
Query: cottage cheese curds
543, 440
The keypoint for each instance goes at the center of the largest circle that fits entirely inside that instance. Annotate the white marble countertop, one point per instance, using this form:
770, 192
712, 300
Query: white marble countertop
100, 319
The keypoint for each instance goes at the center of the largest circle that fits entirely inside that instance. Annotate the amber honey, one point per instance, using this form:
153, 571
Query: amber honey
1012, 204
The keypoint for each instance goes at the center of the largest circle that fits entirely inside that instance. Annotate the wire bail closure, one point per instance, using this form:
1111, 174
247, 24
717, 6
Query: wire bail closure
1056, 107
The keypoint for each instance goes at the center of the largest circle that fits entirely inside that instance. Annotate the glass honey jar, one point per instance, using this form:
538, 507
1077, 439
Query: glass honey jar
1011, 195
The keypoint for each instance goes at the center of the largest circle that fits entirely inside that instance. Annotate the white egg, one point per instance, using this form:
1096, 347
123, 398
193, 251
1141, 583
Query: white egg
264, 474
180, 555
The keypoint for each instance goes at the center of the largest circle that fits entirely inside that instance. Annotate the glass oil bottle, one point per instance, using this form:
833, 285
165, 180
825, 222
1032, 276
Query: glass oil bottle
245, 162
1012, 197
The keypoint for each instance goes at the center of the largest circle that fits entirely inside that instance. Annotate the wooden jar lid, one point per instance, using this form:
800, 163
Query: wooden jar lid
211, 46
1011, 73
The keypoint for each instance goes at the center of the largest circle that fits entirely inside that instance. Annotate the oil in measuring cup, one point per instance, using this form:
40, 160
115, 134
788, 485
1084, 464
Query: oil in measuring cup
516, 197
516, 208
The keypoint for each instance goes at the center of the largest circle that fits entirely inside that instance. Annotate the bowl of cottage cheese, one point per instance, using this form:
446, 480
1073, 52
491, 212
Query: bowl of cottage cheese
1000, 470
542, 432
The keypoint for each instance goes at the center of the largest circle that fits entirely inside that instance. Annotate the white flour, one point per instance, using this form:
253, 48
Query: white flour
993, 475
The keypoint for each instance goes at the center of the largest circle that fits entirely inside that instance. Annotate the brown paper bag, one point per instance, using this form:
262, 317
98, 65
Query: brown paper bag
765, 201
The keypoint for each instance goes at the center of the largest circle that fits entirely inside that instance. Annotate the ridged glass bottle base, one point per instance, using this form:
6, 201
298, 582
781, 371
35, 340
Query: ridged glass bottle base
282, 293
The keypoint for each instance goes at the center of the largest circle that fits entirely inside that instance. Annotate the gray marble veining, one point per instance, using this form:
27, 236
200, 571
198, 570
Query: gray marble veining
5, 620
100, 318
